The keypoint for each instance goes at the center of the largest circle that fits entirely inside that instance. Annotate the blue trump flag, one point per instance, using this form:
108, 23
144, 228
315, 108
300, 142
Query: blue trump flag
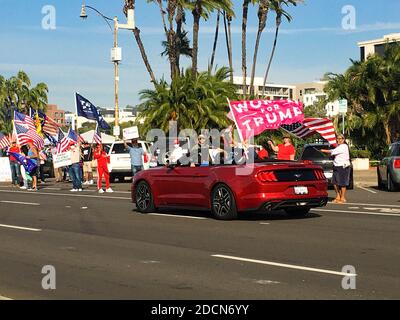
29, 164
87, 110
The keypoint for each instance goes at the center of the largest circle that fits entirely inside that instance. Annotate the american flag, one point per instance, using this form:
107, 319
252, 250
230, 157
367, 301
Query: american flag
24, 121
63, 143
24, 135
312, 126
97, 135
48, 125
4, 141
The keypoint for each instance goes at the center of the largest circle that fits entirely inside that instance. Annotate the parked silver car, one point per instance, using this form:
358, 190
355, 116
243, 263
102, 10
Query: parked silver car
389, 169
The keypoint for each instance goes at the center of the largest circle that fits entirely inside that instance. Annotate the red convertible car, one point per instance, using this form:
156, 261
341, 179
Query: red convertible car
295, 187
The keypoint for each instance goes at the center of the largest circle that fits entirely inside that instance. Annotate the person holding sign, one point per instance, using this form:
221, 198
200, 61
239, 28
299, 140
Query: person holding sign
286, 150
102, 168
136, 153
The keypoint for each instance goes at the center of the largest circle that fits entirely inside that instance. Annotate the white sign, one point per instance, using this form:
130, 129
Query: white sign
131, 133
5, 170
343, 106
62, 159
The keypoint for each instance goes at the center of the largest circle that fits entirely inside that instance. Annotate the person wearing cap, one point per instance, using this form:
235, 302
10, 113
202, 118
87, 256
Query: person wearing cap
136, 153
200, 155
15, 166
176, 153
341, 168
286, 150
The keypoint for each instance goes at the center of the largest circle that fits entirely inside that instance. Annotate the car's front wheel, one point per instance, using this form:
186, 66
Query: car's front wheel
298, 212
144, 198
223, 205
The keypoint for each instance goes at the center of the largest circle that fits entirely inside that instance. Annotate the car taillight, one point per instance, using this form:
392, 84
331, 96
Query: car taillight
319, 174
266, 176
396, 164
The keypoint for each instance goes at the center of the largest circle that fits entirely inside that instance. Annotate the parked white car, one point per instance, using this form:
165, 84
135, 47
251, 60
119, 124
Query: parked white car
120, 160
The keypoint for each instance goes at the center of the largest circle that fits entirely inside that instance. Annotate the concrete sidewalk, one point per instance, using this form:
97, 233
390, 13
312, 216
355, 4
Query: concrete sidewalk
366, 178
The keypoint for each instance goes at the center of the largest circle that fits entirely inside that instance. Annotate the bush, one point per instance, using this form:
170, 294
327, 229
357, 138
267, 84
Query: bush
364, 154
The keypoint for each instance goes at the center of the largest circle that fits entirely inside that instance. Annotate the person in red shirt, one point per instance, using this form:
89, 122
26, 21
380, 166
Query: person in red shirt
15, 166
263, 153
102, 168
286, 150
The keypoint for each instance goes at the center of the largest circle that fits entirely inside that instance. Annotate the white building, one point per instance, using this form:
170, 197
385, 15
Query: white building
371, 47
108, 114
271, 91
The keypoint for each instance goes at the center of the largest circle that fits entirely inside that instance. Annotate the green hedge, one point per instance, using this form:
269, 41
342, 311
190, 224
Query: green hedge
365, 154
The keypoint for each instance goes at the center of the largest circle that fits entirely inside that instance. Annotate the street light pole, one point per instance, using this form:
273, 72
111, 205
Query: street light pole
116, 54
116, 79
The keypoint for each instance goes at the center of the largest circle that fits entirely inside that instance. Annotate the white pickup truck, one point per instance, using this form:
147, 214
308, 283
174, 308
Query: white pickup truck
120, 160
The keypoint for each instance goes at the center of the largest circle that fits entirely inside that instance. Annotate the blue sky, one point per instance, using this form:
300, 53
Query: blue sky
76, 55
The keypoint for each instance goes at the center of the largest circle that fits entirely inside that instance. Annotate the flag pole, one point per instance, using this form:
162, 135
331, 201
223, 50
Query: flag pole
234, 119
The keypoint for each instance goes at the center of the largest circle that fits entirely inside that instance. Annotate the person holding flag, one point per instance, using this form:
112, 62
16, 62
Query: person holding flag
14, 164
33, 154
102, 168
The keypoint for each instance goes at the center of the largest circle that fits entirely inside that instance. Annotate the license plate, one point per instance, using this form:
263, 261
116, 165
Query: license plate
300, 190
328, 175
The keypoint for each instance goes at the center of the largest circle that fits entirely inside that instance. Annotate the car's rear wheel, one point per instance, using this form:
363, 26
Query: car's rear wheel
298, 212
223, 205
144, 198
112, 177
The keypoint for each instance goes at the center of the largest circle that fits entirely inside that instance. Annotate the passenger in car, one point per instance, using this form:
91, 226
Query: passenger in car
199, 154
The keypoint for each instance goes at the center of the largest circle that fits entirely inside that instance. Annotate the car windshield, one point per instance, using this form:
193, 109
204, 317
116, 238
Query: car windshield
119, 148
314, 153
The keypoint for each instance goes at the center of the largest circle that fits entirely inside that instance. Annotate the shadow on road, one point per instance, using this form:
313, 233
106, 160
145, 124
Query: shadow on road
245, 216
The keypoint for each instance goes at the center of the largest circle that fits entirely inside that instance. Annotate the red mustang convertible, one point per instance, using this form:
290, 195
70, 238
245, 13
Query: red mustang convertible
295, 187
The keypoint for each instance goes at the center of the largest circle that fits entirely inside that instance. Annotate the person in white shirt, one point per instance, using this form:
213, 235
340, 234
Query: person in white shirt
341, 168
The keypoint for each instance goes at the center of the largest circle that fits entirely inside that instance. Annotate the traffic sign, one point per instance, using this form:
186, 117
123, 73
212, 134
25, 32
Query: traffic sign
343, 106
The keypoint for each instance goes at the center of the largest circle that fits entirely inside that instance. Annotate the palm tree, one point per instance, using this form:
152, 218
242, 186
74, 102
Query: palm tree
263, 9
215, 40
195, 103
202, 9
130, 4
228, 38
245, 12
276, 6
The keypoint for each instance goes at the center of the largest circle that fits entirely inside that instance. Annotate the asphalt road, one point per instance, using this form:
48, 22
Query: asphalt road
102, 249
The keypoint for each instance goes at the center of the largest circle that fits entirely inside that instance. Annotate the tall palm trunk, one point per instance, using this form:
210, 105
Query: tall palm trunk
179, 19
244, 36
215, 41
228, 45
197, 11
229, 18
262, 18
130, 4
278, 24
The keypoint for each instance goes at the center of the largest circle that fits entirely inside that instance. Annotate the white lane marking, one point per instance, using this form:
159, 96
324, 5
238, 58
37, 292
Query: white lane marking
368, 190
19, 228
366, 204
66, 194
17, 202
4, 298
284, 265
358, 212
48, 188
265, 223
175, 216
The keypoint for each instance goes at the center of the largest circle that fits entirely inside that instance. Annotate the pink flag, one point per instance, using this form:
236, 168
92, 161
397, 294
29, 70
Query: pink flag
254, 117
